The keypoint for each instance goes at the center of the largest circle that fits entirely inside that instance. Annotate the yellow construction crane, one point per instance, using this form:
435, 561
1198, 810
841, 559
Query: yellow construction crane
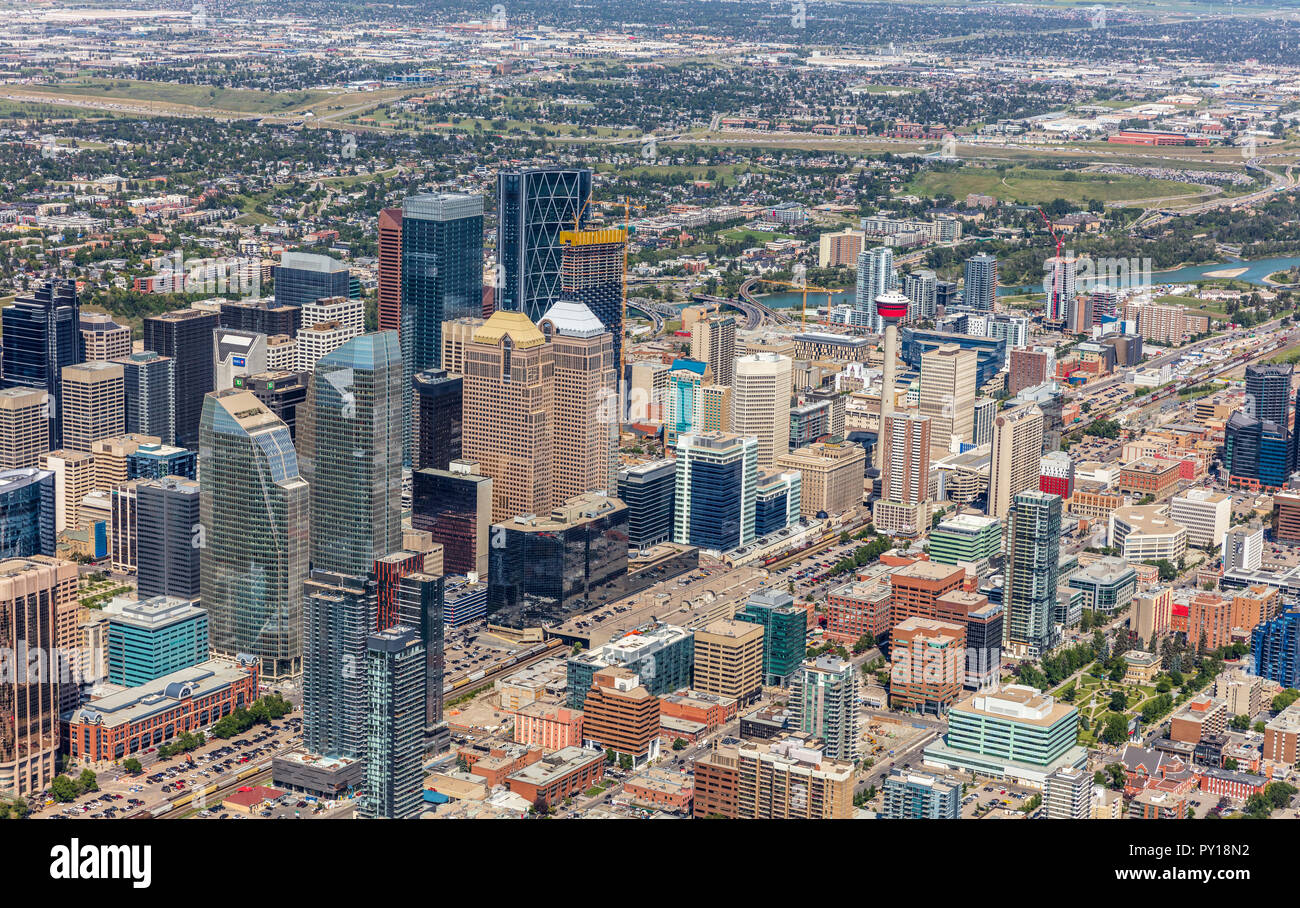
804, 288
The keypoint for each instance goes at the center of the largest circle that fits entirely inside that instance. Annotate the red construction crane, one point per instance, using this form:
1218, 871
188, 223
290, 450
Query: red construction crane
1058, 267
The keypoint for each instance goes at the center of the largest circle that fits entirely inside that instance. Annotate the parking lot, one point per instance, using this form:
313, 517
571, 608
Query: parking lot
122, 794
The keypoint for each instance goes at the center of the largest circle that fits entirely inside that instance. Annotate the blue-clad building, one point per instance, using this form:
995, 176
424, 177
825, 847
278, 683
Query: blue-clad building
534, 206
990, 352
1275, 649
716, 490
154, 637
305, 277
156, 461
42, 334
648, 490
27, 507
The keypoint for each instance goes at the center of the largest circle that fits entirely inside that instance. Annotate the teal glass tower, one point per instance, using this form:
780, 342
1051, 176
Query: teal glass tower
351, 443
253, 515
1033, 556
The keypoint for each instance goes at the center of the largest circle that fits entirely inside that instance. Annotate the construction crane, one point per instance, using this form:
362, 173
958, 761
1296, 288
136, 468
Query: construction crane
804, 289
1058, 267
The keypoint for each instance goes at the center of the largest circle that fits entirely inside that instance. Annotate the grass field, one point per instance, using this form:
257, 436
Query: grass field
234, 100
1027, 185
1193, 305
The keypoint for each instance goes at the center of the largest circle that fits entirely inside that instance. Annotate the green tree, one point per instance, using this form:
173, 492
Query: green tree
133, 766
1115, 731
679, 744
87, 781
63, 789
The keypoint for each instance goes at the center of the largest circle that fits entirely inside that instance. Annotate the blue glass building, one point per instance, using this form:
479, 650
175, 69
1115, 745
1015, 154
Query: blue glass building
157, 461
26, 513
304, 277
41, 335
1256, 451
717, 487
533, 207
990, 352
149, 388
648, 490
1275, 649
154, 637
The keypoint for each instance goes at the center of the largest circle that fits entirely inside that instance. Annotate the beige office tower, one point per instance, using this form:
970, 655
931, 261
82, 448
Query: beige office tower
1017, 456
713, 341
761, 404
903, 507
832, 476
74, 479
585, 446
457, 334
24, 427
713, 408
509, 395
94, 403
647, 391
105, 339
948, 396
111, 454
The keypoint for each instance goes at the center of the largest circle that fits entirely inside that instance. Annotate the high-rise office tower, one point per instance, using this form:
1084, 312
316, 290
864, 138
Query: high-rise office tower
74, 479
585, 448
824, 703
350, 436
260, 318
38, 600
685, 379
389, 270
785, 628
1017, 456
534, 206
713, 341
876, 276
185, 336
103, 338
441, 265
169, 538
1033, 553
237, 353
41, 334
395, 714
304, 277
648, 491
902, 508
1268, 392
986, 408
948, 396
92, 403
439, 405
255, 525
889, 309
918, 287
591, 273
455, 507
24, 433
149, 389
509, 413
123, 535
1059, 286
282, 391
981, 289
327, 324
338, 619
27, 506
761, 404
420, 605
716, 490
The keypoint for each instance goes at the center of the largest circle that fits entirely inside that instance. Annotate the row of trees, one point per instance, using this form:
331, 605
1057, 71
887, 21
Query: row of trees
260, 711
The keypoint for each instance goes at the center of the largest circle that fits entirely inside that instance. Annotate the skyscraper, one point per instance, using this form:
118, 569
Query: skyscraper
904, 474
713, 341
282, 391
304, 277
24, 429
648, 491
338, 619
948, 396
591, 273
585, 448
351, 442
389, 270
169, 538
438, 415
185, 336
237, 353
762, 404
41, 334
149, 389
1033, 553
1059, 285
1017, 456
919, 288
876, 276
716, 489
534, 206
102, 338
509, 409
981, 288
255, 528
395, 713
442, 277
420, 605
92, 403
27, 506
824, 703
1268, 392
455, 507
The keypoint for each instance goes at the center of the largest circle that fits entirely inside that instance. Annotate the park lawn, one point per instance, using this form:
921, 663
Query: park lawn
1193, 305
235, 100
1028, 185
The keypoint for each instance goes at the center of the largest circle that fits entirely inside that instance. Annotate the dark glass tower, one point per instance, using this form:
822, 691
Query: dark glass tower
26, 513
1033, 555
533, 207
338, 618
41, 335
169, 538
648, 491
185, 335
419, 605
439, 403
304, 277
351, 442
149, 386
1268, 390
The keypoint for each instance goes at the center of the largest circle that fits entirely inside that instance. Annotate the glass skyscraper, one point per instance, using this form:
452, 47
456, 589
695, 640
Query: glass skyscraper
149, 389
1033, 556
395, 680
254, 533
981, 282
305, 277
717, 487
876, 275
41, 335
648, 491
1275, 649
339, 613
185, 335
534, 207
439, 404
350, 435
169, 538
26, 513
